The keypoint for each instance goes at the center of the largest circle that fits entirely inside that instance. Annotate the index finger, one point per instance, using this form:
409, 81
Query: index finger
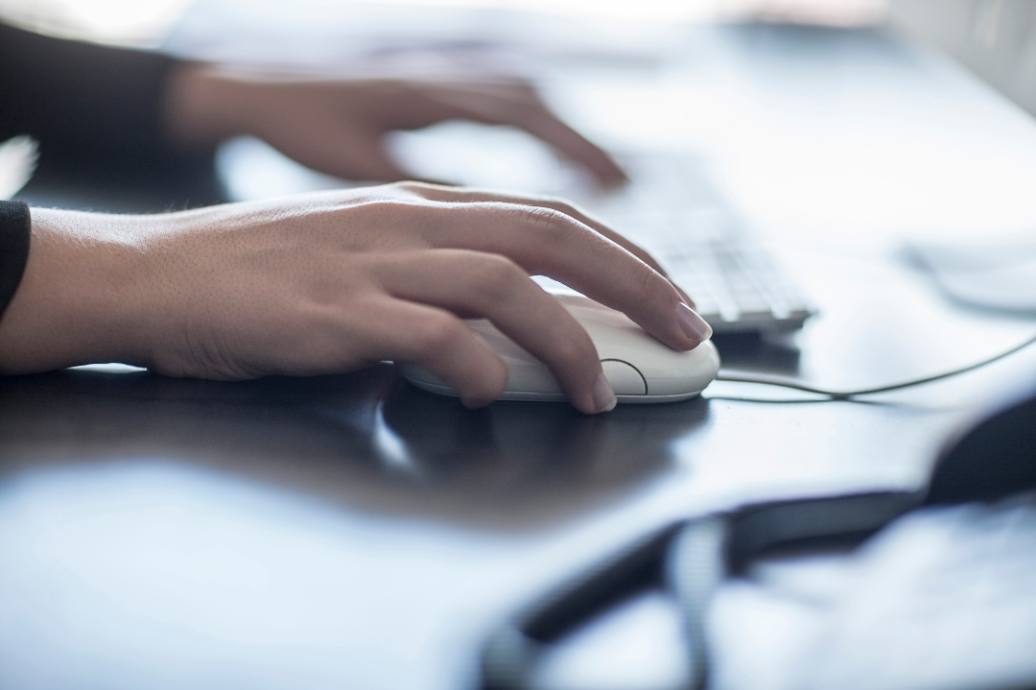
439, 192
541, 122
524, 109
548, 242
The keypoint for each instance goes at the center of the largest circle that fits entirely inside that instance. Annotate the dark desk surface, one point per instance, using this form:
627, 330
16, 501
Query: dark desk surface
353, 532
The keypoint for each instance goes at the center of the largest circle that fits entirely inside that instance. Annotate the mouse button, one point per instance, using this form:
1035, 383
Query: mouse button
625, 379
682, 372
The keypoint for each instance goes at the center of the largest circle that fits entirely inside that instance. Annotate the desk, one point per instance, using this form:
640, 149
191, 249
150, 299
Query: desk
353, 532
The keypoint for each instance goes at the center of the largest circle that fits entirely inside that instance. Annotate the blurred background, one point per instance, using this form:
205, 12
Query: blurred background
785, 114
142, 22
989, 36
841, 125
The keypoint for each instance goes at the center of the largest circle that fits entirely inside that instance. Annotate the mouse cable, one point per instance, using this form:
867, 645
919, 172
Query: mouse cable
850, 394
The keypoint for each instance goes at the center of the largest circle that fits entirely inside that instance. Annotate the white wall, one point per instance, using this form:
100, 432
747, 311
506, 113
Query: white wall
994, 38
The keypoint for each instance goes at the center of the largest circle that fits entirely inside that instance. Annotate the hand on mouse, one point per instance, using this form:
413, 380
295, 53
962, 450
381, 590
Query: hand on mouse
329, 282
338, 124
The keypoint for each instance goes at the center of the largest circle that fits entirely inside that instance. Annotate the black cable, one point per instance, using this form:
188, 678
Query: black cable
850, 394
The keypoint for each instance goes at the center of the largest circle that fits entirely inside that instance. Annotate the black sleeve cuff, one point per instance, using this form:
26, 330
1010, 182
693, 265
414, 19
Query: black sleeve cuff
14, 248
83, 101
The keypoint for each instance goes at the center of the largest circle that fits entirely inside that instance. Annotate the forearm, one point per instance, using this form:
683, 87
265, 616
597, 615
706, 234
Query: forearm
81, 298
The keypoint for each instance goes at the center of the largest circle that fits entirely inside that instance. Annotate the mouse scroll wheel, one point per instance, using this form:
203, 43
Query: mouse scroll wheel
625, 379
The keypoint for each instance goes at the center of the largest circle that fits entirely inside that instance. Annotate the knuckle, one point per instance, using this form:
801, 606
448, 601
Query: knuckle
575, 351
562, 206
551, 225
495, 277
651, 285
380, 208
528, 89
514, 80
526, 98
395, 219
531, 108
411, 187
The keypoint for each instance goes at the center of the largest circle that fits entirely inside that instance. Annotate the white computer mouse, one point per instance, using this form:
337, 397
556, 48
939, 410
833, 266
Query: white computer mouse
639, 368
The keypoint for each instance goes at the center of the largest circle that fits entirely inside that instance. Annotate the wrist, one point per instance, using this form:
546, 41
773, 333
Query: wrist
82, 298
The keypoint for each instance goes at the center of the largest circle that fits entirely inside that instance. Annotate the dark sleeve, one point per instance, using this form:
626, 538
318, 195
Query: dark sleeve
82, 100
14, 248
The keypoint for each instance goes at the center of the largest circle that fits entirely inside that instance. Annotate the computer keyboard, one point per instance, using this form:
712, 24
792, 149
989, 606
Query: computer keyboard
673, 208
736, 286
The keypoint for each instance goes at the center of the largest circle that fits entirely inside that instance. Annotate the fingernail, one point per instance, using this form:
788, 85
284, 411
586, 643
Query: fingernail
693, 325
686, 297
604, 396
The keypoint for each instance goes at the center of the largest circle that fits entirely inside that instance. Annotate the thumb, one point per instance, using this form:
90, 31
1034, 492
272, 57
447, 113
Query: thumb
367, 159
372, 159
354, 156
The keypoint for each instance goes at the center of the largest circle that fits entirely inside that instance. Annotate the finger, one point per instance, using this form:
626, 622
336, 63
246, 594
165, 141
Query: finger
435, 340
366, 159
330, 147
548, 242
527, 112
541, 122
494, 287
434, 192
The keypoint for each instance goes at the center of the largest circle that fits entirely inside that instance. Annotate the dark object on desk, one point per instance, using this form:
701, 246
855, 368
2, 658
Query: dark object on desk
992, 460
965, 499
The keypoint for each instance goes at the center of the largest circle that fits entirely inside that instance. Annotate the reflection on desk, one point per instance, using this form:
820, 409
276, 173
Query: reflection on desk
148, 522
366, 439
